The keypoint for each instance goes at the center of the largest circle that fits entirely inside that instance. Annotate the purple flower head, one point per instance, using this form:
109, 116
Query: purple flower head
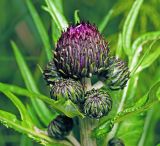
80, 51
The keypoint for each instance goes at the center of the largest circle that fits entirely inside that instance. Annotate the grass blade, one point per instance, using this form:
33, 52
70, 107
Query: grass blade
148, 120
55, 33
59, 5
24, 115
41, 109
129, 25
56, 14
137, 46
149, 59
145, 38
119, 46
41, 29
146, 60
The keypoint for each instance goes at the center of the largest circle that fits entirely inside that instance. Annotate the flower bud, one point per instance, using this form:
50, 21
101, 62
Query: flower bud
68, 89
50, 73
116, 74
115, 142
80, 51
98, 103
60, 127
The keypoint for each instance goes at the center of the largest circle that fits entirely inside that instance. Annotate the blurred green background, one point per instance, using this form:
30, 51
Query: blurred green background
17, 24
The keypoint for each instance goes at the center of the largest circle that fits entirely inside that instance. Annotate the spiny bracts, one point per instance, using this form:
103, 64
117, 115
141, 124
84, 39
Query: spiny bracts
68, 89
60, 127
116, 74
80, 51
98, 103
50, 73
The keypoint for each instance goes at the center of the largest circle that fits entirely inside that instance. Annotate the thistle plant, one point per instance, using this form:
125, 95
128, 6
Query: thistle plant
94, 87
81, 52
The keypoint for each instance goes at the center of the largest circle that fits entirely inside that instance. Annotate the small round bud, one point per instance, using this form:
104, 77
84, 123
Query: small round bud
60, 127
50, 73
98, 103
116, 74
115, 142
68, 89
80, 51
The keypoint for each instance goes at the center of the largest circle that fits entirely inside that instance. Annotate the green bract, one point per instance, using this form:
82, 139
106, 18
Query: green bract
60, 127
116, 74
50, 73
97, 104
68, 89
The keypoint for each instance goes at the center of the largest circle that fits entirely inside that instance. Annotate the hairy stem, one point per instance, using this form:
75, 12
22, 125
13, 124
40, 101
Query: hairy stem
86, 126
73, 140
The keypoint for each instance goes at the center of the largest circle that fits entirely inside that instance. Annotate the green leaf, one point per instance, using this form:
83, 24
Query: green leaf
131, 129
23, 112
141, 59
76, 17
145, 129
105, 21
41, 109
140, 106
148, 135
55, 33
149, 59
31, 112
148, 11
25, 141
129, 25
137, 48
56, 14
59, 5
119, 46
10, 120
62, 106
145, 38
41, 29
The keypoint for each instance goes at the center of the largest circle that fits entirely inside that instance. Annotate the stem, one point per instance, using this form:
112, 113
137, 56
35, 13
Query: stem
115, 127
86, 126
98, 85
87, 84
73, 140
145, 129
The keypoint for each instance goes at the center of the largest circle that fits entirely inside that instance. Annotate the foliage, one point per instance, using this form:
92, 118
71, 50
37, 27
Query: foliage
135, 38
